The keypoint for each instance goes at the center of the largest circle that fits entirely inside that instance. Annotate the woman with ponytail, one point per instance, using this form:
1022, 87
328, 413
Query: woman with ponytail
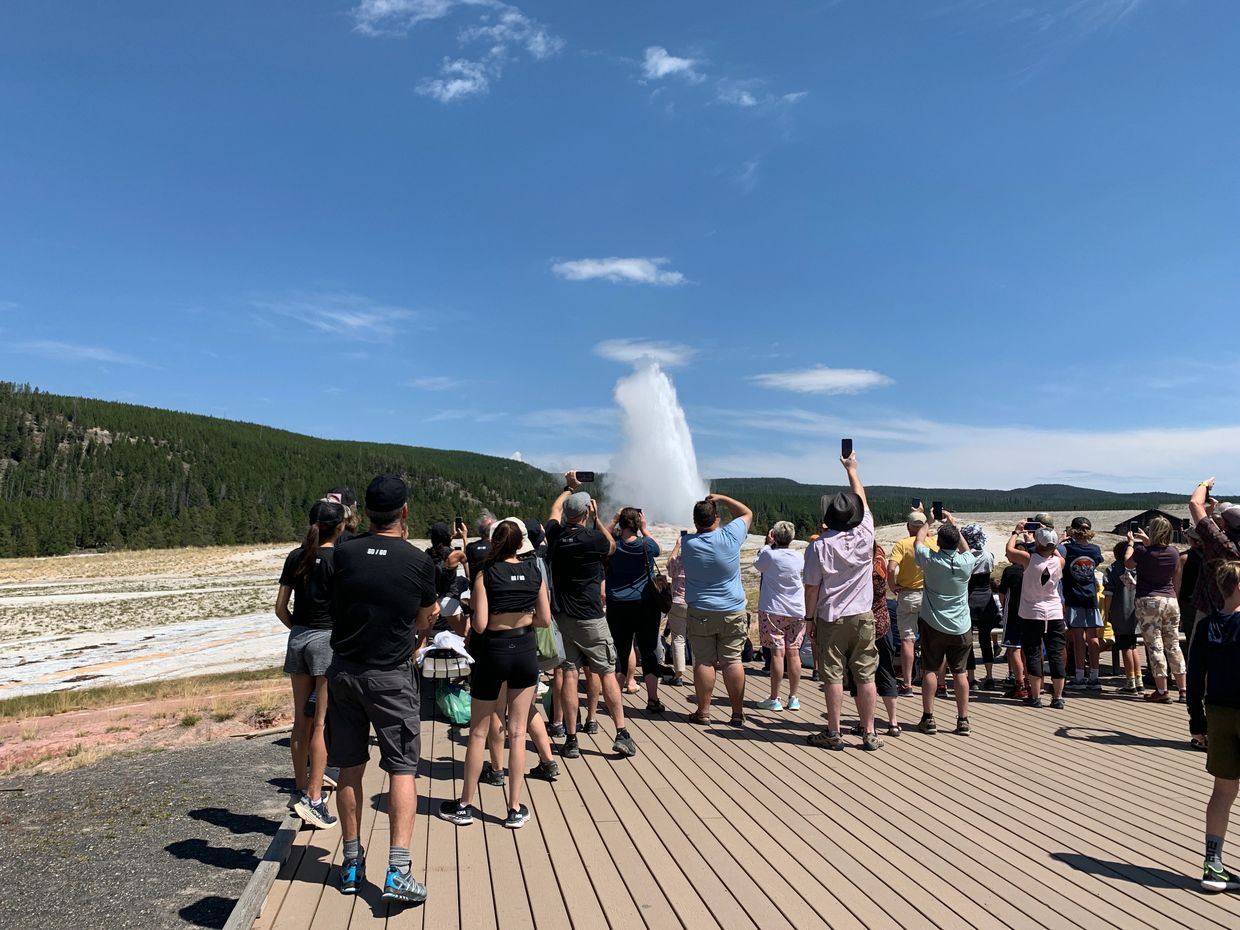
306, 580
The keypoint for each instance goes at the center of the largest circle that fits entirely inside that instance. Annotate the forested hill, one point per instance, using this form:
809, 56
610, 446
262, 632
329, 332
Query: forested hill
85, 474
783, 499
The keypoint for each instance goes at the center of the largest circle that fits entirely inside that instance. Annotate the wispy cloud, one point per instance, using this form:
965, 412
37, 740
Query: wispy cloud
74, 352
629, 270
349, 316
634, 351
435, 383
502, 30
659, 64
822, 380
747, 178
751, 94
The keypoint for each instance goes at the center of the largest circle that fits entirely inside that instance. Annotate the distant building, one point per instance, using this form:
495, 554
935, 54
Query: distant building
1178, 517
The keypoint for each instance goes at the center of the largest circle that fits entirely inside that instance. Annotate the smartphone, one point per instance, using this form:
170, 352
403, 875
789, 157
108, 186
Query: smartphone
845, 448
916, 502
460, 522
585, 477
936, 510
1032, 526
1134, 527
684, 533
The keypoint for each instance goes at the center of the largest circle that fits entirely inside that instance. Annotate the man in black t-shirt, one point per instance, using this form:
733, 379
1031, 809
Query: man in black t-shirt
383, 603
577, 555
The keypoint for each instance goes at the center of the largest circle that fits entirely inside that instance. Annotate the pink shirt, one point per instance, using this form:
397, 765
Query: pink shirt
842, 566
1039, 592
676, 575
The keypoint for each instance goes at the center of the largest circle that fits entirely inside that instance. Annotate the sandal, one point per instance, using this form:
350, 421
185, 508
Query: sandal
655, 707
738, 720
633, 690
893, 729
871, 743
826, 739
1199, 743
700, 719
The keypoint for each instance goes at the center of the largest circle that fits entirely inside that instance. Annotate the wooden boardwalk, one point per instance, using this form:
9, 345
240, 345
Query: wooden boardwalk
1090, 817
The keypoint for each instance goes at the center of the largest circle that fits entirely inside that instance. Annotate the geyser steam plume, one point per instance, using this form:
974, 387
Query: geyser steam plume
655, 468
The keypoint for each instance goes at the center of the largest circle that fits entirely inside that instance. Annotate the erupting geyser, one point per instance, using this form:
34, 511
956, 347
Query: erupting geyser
655, 468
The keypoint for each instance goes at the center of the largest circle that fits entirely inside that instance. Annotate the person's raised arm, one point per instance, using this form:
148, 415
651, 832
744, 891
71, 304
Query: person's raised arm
571, 484
1015, 554
479, 604
735, 507
963, 545
1198, 503
850, 467
1130, 554
282, 610
611, 540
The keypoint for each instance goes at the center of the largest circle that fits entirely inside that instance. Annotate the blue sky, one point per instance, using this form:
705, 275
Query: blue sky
995, 242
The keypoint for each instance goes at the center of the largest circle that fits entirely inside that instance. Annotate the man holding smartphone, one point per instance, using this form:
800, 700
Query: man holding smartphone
907, 583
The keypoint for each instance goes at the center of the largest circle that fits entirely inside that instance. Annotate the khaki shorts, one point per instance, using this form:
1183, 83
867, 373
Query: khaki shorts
587, 642
848, 641
678, 620
1223, 731
717, 636
908, 607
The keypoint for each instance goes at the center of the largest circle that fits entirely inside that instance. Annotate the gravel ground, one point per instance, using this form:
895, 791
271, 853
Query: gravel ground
154, 840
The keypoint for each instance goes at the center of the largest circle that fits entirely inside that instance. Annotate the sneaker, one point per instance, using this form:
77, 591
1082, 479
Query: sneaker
556, 730
547, 771
1076, 684
794, 703
1216, 878
590, 728
518, 818
770, 704
624, 744
927, 725
871, 743
1183, 698
904, 690
1128, 689
676, 681
541, 689
294, 799
988, 684
570, 750
1057, 703
455, 812
402, 887
315, 813
329, 778
490, 775
1158, 697
1094, 684
655, 707
352, 874
1033, 701
962, 726
941, 691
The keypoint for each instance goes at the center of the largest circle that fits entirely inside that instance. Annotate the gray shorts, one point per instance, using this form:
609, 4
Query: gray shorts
587, 642
309, 651
1084, 618
386, 698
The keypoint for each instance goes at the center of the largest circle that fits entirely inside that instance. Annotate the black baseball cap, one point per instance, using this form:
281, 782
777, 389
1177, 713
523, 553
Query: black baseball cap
386, 493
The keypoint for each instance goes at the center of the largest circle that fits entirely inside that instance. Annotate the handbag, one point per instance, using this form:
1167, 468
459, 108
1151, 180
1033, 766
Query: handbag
550, 646
660, 588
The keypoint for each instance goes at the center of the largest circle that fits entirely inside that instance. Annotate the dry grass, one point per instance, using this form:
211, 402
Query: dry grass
190, 720
59, 702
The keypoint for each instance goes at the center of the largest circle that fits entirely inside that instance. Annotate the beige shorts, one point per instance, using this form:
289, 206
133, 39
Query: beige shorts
717, 636
908, 607
849, 641
678, 620
587, 642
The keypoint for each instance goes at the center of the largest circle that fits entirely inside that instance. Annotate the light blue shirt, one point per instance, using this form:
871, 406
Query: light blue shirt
712, 562
946, 604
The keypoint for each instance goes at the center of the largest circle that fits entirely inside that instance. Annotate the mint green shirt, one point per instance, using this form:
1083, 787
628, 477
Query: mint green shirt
945, 605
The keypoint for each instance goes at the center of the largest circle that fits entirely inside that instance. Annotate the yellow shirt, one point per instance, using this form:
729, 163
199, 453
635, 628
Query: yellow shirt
910, 575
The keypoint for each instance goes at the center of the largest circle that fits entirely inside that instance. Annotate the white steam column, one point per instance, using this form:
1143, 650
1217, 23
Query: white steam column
656, 467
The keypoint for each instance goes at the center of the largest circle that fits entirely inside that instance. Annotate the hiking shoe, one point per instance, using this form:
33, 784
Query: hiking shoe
315, 813
794, 703
556, 730
962, 726
518, 818
676, 681
1033, 701
927, 725
988, 684
1158, 697
1017, 693
294, 799
770, 704
490, 775
1075, 685
402, 887
904, 690
871, 743
826, 739
1216, 878
1094, 684
1128, 689
455, 812
1057, 704
624, 744
941, 691
655, 707
590, 728
352, 874
570, 750
547, 771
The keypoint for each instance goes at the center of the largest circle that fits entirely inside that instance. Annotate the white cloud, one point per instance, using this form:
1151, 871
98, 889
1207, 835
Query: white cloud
822, 380
631, 270
516, 457
752, 93
72, 352
434, 383
659, 64
634, 351
502, 28
350, 316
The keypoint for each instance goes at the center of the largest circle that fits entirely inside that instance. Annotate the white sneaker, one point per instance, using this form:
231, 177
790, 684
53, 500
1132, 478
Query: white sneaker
542, 689
770, 704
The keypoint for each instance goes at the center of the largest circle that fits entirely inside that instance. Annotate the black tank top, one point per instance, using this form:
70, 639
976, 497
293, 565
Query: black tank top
512, 587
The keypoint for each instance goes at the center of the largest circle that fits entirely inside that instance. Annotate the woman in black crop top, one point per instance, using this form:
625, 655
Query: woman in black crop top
509, 599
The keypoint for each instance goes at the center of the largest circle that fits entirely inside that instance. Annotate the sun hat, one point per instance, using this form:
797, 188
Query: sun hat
916, 516
526, 548
843, 511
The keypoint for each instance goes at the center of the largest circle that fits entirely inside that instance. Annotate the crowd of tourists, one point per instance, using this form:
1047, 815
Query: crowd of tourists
362, 609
